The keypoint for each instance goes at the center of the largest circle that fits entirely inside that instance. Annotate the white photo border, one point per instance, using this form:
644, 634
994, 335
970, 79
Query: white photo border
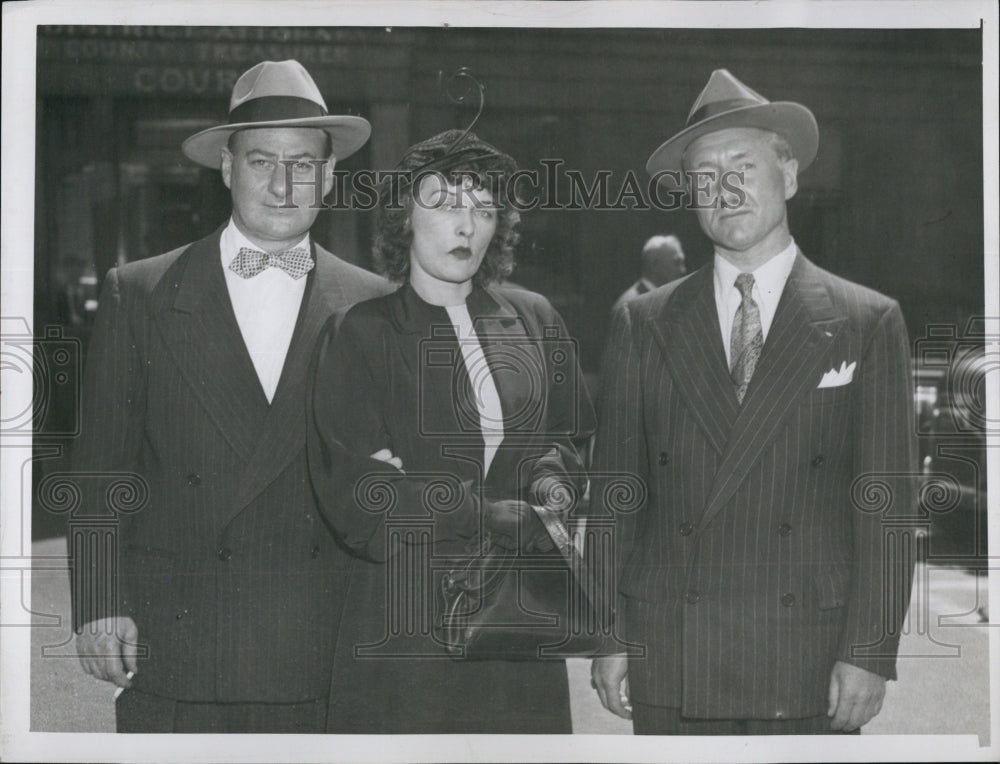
20, 21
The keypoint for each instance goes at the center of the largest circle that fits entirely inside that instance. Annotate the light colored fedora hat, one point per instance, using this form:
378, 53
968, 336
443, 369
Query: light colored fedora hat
727, 102
277, 94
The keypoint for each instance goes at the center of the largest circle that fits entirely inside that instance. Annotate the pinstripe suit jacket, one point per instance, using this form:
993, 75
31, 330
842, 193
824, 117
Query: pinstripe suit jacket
758, 555
229, 573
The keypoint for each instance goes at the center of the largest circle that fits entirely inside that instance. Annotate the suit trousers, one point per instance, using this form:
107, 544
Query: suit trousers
660, 720
138, 711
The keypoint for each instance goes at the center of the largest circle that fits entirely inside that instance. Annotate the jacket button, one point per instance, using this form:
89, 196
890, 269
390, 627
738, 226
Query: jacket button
692, 597
817, 461
179, 616
194, 479
686, 528
663, 459
787, 599
225, 554
784, 529
315, 552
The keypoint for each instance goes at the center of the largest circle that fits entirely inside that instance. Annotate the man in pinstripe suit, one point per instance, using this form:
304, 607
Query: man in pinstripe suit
225, 589
763, 404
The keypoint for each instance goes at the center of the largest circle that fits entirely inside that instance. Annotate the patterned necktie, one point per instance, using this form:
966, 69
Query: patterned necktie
295, 262
747, 338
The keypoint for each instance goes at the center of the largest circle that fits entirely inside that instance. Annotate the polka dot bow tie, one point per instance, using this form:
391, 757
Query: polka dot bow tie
295, 262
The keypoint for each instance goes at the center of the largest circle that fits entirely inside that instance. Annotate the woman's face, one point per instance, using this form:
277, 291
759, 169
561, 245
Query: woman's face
452, 227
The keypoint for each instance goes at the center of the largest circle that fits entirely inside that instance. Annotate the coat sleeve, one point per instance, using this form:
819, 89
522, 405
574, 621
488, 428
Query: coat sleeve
113, 405
620, 468
358, 495
570, 424
883, 499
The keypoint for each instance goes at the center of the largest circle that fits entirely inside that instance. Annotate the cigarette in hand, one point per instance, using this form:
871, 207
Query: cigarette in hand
120, 690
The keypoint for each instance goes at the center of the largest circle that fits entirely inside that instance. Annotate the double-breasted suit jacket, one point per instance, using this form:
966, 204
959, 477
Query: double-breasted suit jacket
229, 573
763, 546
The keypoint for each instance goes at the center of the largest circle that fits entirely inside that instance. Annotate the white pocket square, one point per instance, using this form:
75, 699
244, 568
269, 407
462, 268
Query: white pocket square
838, 377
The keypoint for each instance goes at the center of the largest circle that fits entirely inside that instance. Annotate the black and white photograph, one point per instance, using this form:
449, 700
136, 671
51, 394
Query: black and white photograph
494, 381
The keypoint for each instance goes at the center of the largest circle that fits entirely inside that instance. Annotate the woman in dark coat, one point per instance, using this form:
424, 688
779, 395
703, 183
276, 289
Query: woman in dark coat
441, 412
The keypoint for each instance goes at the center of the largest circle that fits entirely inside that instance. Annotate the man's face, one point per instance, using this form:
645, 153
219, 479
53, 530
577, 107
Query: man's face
665, 264
753, 223
254, 173
672, 264
677, 266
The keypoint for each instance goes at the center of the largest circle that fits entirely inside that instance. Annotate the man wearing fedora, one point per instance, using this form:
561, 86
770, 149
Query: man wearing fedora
766, 407
220, 612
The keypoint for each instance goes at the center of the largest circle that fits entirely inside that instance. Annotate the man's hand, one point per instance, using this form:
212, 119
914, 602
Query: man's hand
385, 455
107, 649
855, 696
609, 676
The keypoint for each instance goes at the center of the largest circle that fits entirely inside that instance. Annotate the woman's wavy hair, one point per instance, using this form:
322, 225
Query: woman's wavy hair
489, 168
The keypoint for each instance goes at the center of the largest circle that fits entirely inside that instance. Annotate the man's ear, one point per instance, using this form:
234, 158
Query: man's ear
790, 170
226, 168
331, 162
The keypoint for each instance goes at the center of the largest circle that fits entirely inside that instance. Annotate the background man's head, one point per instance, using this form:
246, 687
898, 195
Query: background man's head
663, 259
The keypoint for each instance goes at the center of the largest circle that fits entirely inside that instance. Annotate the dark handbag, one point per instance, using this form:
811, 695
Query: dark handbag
522, 606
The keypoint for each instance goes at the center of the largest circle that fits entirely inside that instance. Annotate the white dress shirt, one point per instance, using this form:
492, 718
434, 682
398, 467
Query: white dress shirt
769, 283
484, 389
266, 308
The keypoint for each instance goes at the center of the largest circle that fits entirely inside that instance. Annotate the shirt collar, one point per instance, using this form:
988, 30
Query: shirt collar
769, 278
232, 241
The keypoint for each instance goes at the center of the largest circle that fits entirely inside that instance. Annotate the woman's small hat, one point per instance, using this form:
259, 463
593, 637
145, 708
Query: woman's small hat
446, 153
277, 94
451, 150
726, 102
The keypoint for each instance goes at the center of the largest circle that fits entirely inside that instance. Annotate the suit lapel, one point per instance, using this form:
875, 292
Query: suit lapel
199, 329
444, 404
687, 330
517, 365
283, 432
804, 326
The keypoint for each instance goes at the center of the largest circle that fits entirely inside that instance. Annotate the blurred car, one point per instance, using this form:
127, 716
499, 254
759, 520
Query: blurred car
952, 423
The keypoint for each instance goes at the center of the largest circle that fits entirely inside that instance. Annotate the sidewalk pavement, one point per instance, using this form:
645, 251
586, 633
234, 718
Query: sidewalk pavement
943, 668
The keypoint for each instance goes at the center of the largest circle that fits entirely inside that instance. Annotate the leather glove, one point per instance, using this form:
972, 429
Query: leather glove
511, 522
